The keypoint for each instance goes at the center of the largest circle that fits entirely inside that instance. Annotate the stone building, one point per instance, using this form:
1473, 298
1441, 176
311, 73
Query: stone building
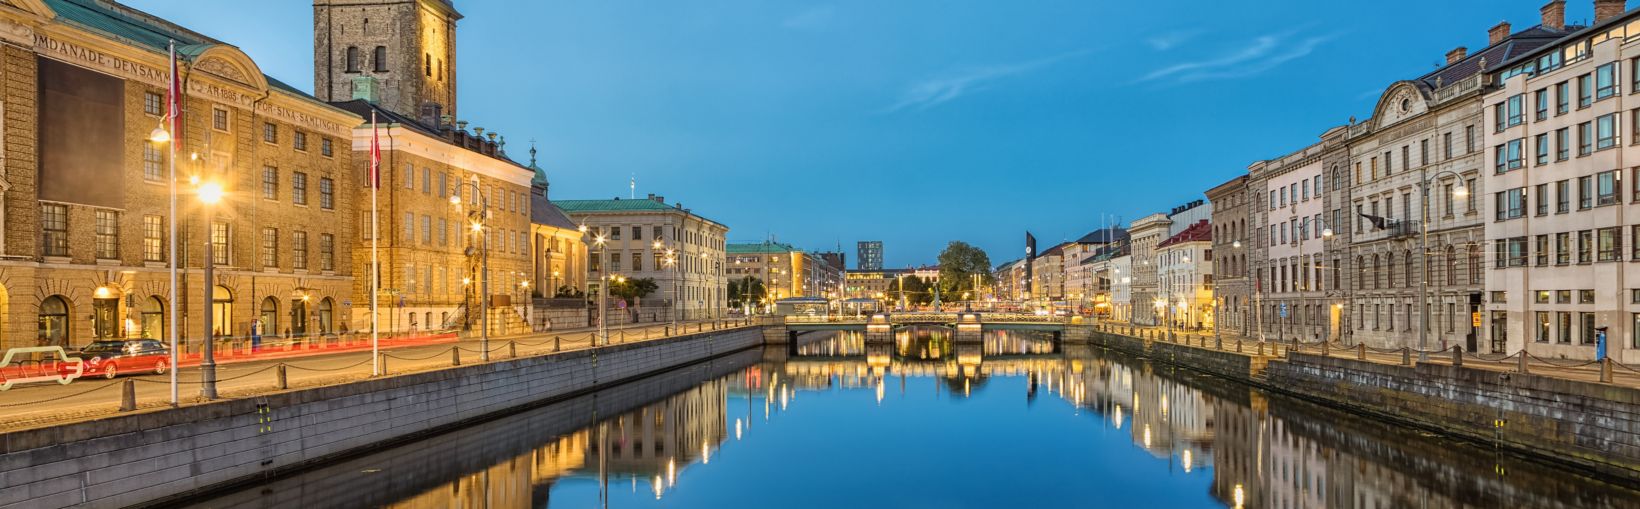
1288, 258
631, 230
1232, 290
1184, 276
408, 48
1555, 123
785, 270
1426, 131
1145, 233
86, 247
558, 248
1048, 274
395, 63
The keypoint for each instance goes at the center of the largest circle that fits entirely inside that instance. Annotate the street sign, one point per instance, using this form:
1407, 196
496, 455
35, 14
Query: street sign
1476, 318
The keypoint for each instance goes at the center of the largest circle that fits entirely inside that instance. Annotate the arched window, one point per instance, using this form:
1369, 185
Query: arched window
1376, 272
222, 311
53, 321
153, 318
379, 59
327, 316
1360, 273
1408, 272
1451, 265
1474, 263
298, 317
269, 315
353, 59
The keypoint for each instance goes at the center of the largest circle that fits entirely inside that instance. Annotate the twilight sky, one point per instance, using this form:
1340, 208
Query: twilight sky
914, 122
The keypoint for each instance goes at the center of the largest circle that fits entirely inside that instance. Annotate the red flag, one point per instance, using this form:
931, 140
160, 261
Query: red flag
375, 154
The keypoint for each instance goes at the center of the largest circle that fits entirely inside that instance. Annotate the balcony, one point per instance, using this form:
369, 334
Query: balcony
1395, 229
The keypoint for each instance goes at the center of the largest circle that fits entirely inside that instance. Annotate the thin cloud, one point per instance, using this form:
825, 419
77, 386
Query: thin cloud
815, 18
933, 92
1263, 53
1173, 39
1369, 94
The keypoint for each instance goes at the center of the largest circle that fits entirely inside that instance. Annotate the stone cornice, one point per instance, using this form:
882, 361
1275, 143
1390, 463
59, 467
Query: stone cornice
396, 137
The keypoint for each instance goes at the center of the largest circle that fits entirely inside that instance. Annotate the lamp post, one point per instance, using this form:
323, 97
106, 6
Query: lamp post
210, 193
671, 261
1423, 251
479, 223
603, 287
162, 136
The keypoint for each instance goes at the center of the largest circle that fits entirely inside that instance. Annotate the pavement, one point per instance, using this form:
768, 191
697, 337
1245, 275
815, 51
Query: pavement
1584, 371
47, 403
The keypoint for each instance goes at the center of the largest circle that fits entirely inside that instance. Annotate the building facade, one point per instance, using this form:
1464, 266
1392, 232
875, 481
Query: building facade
1232, 291
407, 48
1290, 259
1184, 275
637, 234
1146, 233
1554, 123
558, 250
83, 262
869, 255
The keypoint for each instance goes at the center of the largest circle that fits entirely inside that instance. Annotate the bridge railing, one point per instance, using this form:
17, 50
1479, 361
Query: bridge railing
923, 318
819, 319
1019, 318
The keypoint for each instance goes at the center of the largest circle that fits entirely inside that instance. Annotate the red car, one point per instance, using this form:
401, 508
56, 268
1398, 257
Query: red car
109, 358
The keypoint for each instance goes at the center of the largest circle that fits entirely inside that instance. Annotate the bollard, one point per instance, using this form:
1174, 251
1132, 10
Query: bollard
1406, 356
668, 331
512, 349
455, 356
1361, 351
1238, 346
1606, 370
555, 340
279, 378
1457, 356
128, 396
1520, 362
383, 362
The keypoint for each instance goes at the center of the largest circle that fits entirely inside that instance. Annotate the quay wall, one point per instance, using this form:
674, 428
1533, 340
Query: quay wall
163, 455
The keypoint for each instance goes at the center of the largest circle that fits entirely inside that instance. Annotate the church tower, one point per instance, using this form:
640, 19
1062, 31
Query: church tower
400, 54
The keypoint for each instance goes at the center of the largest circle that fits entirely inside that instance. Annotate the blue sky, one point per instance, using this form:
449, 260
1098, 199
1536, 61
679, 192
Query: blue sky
914, 122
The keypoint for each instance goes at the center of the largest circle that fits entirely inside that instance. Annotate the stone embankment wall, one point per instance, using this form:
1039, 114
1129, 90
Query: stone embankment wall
153, 456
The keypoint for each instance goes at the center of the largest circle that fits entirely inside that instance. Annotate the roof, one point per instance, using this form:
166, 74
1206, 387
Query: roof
364, 108
123, 23
545, 212
1108, 252
766, 247
1517, 44
573, 207
1199, 232
1104, 236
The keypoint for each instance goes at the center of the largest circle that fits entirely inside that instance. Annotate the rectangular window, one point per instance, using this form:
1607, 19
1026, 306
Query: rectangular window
1585, 192
1585, 138
270, 183
1543, 254
1563, 248
1609, 244
1563, 144
298, 250
1542, 107
153, 103
443, 185
219, 243
637, 233
327, 252
1511, 204
1585, 91
270, 133
327, 147
153, 238
1544, 326
1606, 131
1469, 139
1563, 297
1516, 110
1605, 81
426, 229
270, 247
1562, 98
1516, 248
1587, 322
108, 234
1563, 196
1607, 184
153, 163
637, 261
327, 193
298, 140
1542, 149
655, 233
409, 227
1470, 184
54, 229
1516, 153
1565, 323
426, 181
410, 177
1585, 247
219, 119
298, 188
1446, 149
615, 262
615, 233
443, 232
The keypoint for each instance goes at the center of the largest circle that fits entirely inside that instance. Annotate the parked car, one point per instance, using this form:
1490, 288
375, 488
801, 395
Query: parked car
109, 358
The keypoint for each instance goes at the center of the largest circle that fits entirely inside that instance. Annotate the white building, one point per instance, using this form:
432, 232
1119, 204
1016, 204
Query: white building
1184, 275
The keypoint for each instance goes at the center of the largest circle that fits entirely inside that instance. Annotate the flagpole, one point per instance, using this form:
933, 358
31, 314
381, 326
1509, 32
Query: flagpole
173, 110
375, 264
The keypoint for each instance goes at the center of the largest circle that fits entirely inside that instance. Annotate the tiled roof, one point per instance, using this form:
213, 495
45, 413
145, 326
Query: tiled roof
545, 212
1517, 44
1104, 236
1198, 232
760, 248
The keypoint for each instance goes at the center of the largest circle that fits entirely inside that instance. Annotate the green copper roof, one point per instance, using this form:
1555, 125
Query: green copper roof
760, 248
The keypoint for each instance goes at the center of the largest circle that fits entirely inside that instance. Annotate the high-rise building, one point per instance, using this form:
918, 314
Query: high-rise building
869, 255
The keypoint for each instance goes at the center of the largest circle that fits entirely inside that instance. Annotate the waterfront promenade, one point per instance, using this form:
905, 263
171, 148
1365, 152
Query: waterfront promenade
43, 404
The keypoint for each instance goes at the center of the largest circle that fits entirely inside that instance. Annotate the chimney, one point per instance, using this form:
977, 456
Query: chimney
1458, 53
1554, 14
1608, 9
1498, 33
365, 87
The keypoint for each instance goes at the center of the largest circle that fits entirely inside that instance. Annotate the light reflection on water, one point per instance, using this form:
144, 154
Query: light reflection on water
932, 422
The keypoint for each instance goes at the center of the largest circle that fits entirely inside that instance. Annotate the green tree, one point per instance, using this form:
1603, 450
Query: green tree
960, 265
748, 286
632, 289
917, 291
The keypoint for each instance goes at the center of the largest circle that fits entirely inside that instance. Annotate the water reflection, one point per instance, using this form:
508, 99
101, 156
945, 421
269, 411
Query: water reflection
1096, 428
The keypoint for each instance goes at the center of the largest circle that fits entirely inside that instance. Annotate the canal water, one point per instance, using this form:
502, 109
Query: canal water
1014, 421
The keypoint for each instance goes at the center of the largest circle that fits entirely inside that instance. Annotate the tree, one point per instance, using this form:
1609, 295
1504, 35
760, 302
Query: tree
748, 286
567, 292
960, 264
916, 290
632, 289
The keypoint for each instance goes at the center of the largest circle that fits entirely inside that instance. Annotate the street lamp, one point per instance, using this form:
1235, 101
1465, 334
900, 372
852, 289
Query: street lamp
210, 193
1423, 249
160, 136
482, 216
671, 261
603, 289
